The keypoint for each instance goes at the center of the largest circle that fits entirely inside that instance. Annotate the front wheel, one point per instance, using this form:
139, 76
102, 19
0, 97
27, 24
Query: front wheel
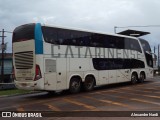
134, 78
75, 85
142, 77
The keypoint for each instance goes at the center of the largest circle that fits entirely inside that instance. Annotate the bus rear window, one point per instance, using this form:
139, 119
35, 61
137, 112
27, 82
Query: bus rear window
23, 33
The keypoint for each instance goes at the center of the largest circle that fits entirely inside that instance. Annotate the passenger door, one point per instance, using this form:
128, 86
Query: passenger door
50, 75
61, 73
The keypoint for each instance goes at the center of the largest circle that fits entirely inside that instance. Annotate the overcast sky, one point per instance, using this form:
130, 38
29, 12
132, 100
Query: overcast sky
97, 15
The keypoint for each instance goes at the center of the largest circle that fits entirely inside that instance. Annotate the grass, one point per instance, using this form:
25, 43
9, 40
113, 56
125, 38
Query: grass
13, 92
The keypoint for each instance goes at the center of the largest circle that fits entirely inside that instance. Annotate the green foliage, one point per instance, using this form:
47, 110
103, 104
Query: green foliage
13, 92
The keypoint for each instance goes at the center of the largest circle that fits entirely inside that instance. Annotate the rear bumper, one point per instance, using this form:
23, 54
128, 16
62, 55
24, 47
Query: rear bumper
25, 85
33, 85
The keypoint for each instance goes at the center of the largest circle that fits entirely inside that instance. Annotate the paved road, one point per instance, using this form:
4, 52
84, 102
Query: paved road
119, 97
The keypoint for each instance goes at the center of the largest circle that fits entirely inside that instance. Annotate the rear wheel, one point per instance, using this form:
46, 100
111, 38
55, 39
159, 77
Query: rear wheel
89, 83
142, 77
134, 78
75, 85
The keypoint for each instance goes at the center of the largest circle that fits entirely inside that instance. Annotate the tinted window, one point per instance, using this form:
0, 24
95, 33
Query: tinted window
136, 63
75, 38
112, 64
50, 34
114, 42
134, 45
97, 40
64, 37
145, 45
80, 38
24, 32
110, 42
127, 43
120, 43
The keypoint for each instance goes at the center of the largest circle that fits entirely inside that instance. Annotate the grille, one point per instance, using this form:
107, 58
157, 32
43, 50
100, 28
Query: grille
24, 60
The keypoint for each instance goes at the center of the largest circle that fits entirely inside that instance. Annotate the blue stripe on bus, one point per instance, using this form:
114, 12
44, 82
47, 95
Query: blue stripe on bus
38, 39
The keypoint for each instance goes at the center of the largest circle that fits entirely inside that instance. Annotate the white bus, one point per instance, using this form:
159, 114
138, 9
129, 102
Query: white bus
55, 58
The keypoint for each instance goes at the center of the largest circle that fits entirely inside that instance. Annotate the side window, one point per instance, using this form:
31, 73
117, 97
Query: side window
134, 45
110, 41
80, 38
120, 43
100, 64
64, 37
127, 43
145, 45
107, 63
114, 42
50, 34
74, 38
97, 40
119, 63
133, 63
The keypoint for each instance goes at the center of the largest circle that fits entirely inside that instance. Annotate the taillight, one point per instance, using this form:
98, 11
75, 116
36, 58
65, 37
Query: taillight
38, 73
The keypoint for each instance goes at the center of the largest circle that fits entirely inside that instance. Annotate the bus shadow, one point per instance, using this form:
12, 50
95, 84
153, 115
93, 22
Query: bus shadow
119, 85
66, 93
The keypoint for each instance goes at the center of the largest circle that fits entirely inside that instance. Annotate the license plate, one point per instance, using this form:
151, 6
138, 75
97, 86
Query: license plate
24, 84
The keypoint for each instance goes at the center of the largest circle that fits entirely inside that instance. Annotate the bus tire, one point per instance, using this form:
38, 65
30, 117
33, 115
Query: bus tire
89, 83
75, 85
134, 78
142, 77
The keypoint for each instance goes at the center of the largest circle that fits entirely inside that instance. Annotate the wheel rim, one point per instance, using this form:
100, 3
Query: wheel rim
134, 79
75, 85
142, 77
89, 83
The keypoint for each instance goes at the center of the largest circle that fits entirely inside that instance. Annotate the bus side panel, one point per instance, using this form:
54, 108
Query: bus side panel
79, 64
77, 67
55, 73
149, 72
123, 75
103, 76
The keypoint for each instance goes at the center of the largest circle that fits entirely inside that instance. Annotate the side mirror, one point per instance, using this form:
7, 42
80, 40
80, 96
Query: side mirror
148, 52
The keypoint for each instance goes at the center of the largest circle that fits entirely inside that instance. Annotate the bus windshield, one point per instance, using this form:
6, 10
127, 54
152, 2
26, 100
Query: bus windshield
23, 33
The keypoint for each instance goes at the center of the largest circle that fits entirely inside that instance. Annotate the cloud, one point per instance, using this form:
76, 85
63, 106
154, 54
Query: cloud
97, 15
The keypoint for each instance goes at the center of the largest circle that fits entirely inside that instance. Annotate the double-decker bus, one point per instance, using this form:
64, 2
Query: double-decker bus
56, 58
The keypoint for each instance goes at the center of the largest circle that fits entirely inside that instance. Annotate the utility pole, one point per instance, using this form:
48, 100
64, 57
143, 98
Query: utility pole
154, 49
158, 56
2, 56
